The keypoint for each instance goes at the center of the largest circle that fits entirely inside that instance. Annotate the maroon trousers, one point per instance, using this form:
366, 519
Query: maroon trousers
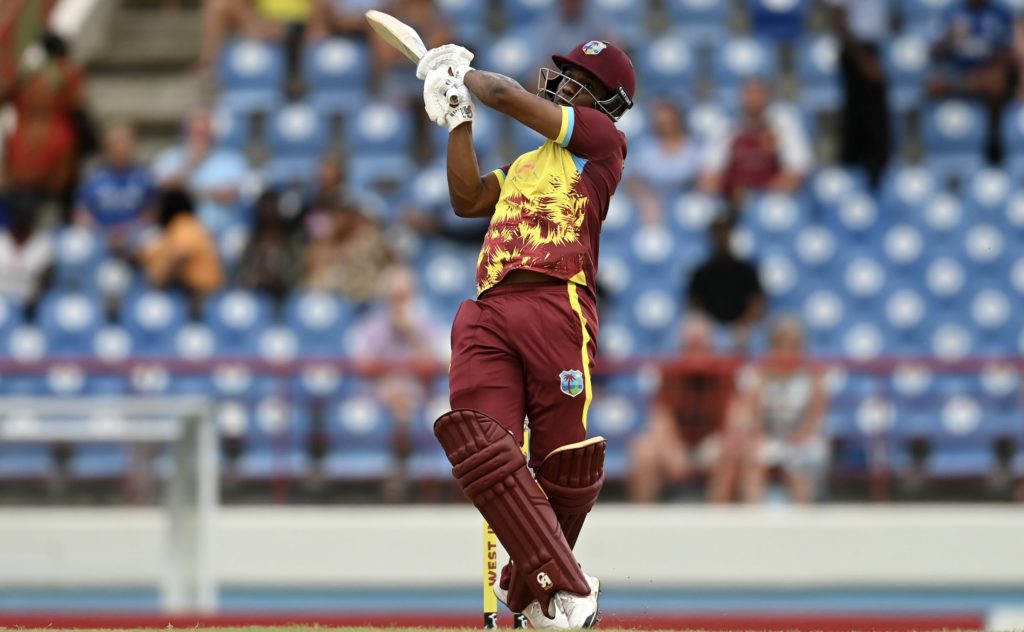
527, 350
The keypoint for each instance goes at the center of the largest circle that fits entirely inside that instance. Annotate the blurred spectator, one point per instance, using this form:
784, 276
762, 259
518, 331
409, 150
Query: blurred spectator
183, 255
863, 28
329, 193
26, 254
273, 20
272, 259
662, 163
400, 332
686, 419
213, 175
726, 288
347, 251
118, 196
782, 405
48, 95
767, 150
974, 59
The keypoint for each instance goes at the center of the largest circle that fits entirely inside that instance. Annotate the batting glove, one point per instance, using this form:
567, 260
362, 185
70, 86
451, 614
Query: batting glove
446, 55
460, 107
435, 94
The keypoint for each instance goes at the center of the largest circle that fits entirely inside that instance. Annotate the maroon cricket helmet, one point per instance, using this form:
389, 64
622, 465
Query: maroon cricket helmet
611, 66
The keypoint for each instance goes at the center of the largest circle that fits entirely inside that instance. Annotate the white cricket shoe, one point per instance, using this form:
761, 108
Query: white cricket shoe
535, 614
580, 611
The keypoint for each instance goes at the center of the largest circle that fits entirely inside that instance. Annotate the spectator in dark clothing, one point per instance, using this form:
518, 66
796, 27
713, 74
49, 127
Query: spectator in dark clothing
863, 27
726, 288
272, 259
974, 60
118, 196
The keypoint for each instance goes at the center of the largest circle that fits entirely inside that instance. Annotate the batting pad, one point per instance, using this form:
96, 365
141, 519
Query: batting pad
492, 472
572, 477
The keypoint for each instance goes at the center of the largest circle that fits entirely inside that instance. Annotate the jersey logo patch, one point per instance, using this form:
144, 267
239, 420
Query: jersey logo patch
571, 382
594, 47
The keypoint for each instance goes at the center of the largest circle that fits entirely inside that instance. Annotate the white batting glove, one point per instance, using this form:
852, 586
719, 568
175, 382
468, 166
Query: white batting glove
446, 55
461, 108
435, 94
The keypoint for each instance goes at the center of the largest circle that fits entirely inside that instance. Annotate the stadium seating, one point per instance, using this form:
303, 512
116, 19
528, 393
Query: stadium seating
251, 74
337, 72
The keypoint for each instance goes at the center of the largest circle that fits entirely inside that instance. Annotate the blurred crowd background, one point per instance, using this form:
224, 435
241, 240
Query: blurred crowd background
807, 277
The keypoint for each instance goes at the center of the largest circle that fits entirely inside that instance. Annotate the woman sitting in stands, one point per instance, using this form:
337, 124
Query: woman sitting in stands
183, 256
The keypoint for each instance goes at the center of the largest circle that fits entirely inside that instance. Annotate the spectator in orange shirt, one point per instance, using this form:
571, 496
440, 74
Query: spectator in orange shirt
184, 255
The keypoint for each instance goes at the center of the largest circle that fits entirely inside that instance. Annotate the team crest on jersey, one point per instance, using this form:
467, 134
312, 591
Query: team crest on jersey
571, 382
594, 47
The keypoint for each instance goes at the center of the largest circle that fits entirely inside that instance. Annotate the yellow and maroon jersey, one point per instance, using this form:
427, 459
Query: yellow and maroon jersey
552, 202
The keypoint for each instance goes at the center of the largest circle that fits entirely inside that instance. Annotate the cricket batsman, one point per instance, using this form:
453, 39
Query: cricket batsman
525, 347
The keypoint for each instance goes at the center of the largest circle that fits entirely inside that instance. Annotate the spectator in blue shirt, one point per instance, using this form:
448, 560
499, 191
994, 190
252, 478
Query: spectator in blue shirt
974, 55
117, 197
212, 175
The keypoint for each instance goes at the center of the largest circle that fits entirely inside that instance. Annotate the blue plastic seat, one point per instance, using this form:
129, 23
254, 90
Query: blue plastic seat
151, 318
777, 20
904, 249
251, 74
984, 248
817, 65
629, 18
814, 249
667, 64
319, 320
831, 186
988, 191
100, 461
69, 321
276, 436
360, 431
78, 253
513, 54
825, 314
380, 139
704, 22
906, 188
953, 133
616, 418
337, 72
922, 15
907, 61
524, 12
1013, 138
235, 319
23, 462
297, 137
740, 59
468, 18
428, 462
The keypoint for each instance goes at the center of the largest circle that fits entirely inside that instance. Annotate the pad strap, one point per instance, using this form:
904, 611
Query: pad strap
492, 472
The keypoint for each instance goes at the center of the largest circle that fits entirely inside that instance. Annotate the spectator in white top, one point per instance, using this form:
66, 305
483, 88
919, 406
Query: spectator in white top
663, 163
862, 27
781, 404
765, 150
26, 255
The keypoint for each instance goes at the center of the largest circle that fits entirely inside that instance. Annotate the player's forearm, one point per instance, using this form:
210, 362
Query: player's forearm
491, 88
464, 185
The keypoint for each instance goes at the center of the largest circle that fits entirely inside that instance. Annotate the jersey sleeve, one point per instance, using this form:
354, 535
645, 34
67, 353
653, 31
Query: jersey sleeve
501, 172
588, 133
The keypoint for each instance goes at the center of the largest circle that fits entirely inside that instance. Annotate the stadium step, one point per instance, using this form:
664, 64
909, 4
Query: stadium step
150, 41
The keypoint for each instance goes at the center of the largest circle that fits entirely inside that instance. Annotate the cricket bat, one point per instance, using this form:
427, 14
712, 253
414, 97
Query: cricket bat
400, 35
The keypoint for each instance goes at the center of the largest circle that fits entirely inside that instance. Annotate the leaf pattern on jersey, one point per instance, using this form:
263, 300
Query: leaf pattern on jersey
528, 232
